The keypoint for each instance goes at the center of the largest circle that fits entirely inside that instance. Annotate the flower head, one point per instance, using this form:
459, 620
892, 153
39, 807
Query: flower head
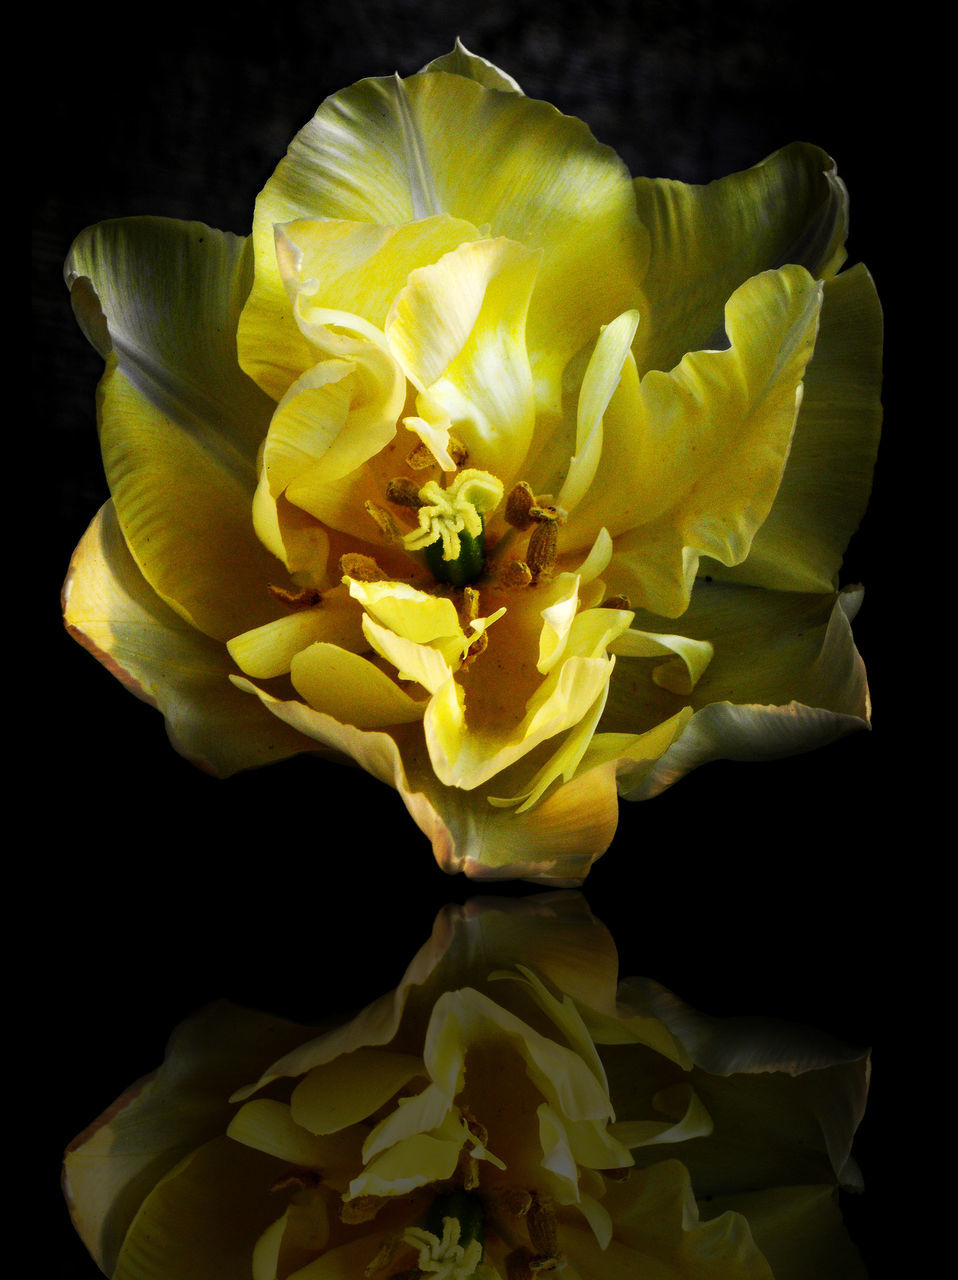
517, 481
506, 1111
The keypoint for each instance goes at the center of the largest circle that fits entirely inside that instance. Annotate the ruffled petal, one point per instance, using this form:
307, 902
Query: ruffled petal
692, 459
112, 611
708, 240
391, 151
828, 475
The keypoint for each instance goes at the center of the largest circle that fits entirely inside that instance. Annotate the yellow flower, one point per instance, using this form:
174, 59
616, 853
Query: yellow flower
516, 481
506, 1111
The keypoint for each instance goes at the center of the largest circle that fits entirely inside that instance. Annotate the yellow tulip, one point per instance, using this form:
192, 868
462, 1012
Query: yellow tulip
507, 1110
517, 482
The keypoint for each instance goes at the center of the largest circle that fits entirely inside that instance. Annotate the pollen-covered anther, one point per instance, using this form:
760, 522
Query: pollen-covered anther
362, 568
513, 1201
524, 509
616, 602
303, 598
385, 520
420, 459
363, 1208
543, 1227
404, 492
543, 549
514, 575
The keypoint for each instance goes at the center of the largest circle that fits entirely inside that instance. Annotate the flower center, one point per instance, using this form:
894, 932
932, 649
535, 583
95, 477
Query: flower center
450, 1247
451, 528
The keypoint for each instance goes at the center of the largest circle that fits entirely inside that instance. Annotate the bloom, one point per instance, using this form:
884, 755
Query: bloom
506, 1110
515, 481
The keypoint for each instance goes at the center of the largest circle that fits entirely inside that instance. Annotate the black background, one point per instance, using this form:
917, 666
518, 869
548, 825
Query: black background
305, 889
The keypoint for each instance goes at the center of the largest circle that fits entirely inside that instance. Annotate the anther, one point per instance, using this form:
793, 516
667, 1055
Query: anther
515, 574
404, 493
385, 520
457, 451
362, 568
298, 1179
616, 602
304, 598
524, 509
542, 1225
362, 1208
542, 552
420, 459
391, 1248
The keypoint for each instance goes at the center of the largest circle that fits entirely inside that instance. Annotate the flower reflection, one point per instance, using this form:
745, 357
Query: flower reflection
510, 1108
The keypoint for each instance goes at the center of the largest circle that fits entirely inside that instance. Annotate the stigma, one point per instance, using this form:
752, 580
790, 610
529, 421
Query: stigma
451, 528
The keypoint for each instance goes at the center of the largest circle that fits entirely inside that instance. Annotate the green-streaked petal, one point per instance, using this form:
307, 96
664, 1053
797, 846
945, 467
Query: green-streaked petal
166, 297
827, 479
112, 611
350, 688
458, 330
707, 240
679, 674
203, 1218
785, 677
460, 62
109, 1169
392, 151
692, 459
186, 517
800, 1231
340, 1093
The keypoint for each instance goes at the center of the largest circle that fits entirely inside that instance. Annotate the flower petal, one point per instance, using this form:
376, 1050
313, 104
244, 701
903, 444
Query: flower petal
343, 1092
112, 611
785, 677
460, 62
203, 1218
458, 330
350, 688
692, 459
393, 151
827, 478
708, 240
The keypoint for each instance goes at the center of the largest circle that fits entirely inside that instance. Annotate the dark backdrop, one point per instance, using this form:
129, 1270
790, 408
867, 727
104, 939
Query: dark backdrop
305, 889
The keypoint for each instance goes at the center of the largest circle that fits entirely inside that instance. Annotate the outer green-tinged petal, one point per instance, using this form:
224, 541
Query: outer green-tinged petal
463, 63
458, 330
799, 1230
203, 1218
268, 1126
109, 1168
165, 297
785, 677
692, 459
391, 151
707, 240
112, 611
185, 517
828, 476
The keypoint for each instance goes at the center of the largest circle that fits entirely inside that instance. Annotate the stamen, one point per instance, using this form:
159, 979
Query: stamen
542, 552
404, 493
303, 598
513, 1201
300, 1179
390, 1250
524, 509
457, 451
362, 568
516, 574
363, 1208
616, 602
386, 522
421, 458
542, 1225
